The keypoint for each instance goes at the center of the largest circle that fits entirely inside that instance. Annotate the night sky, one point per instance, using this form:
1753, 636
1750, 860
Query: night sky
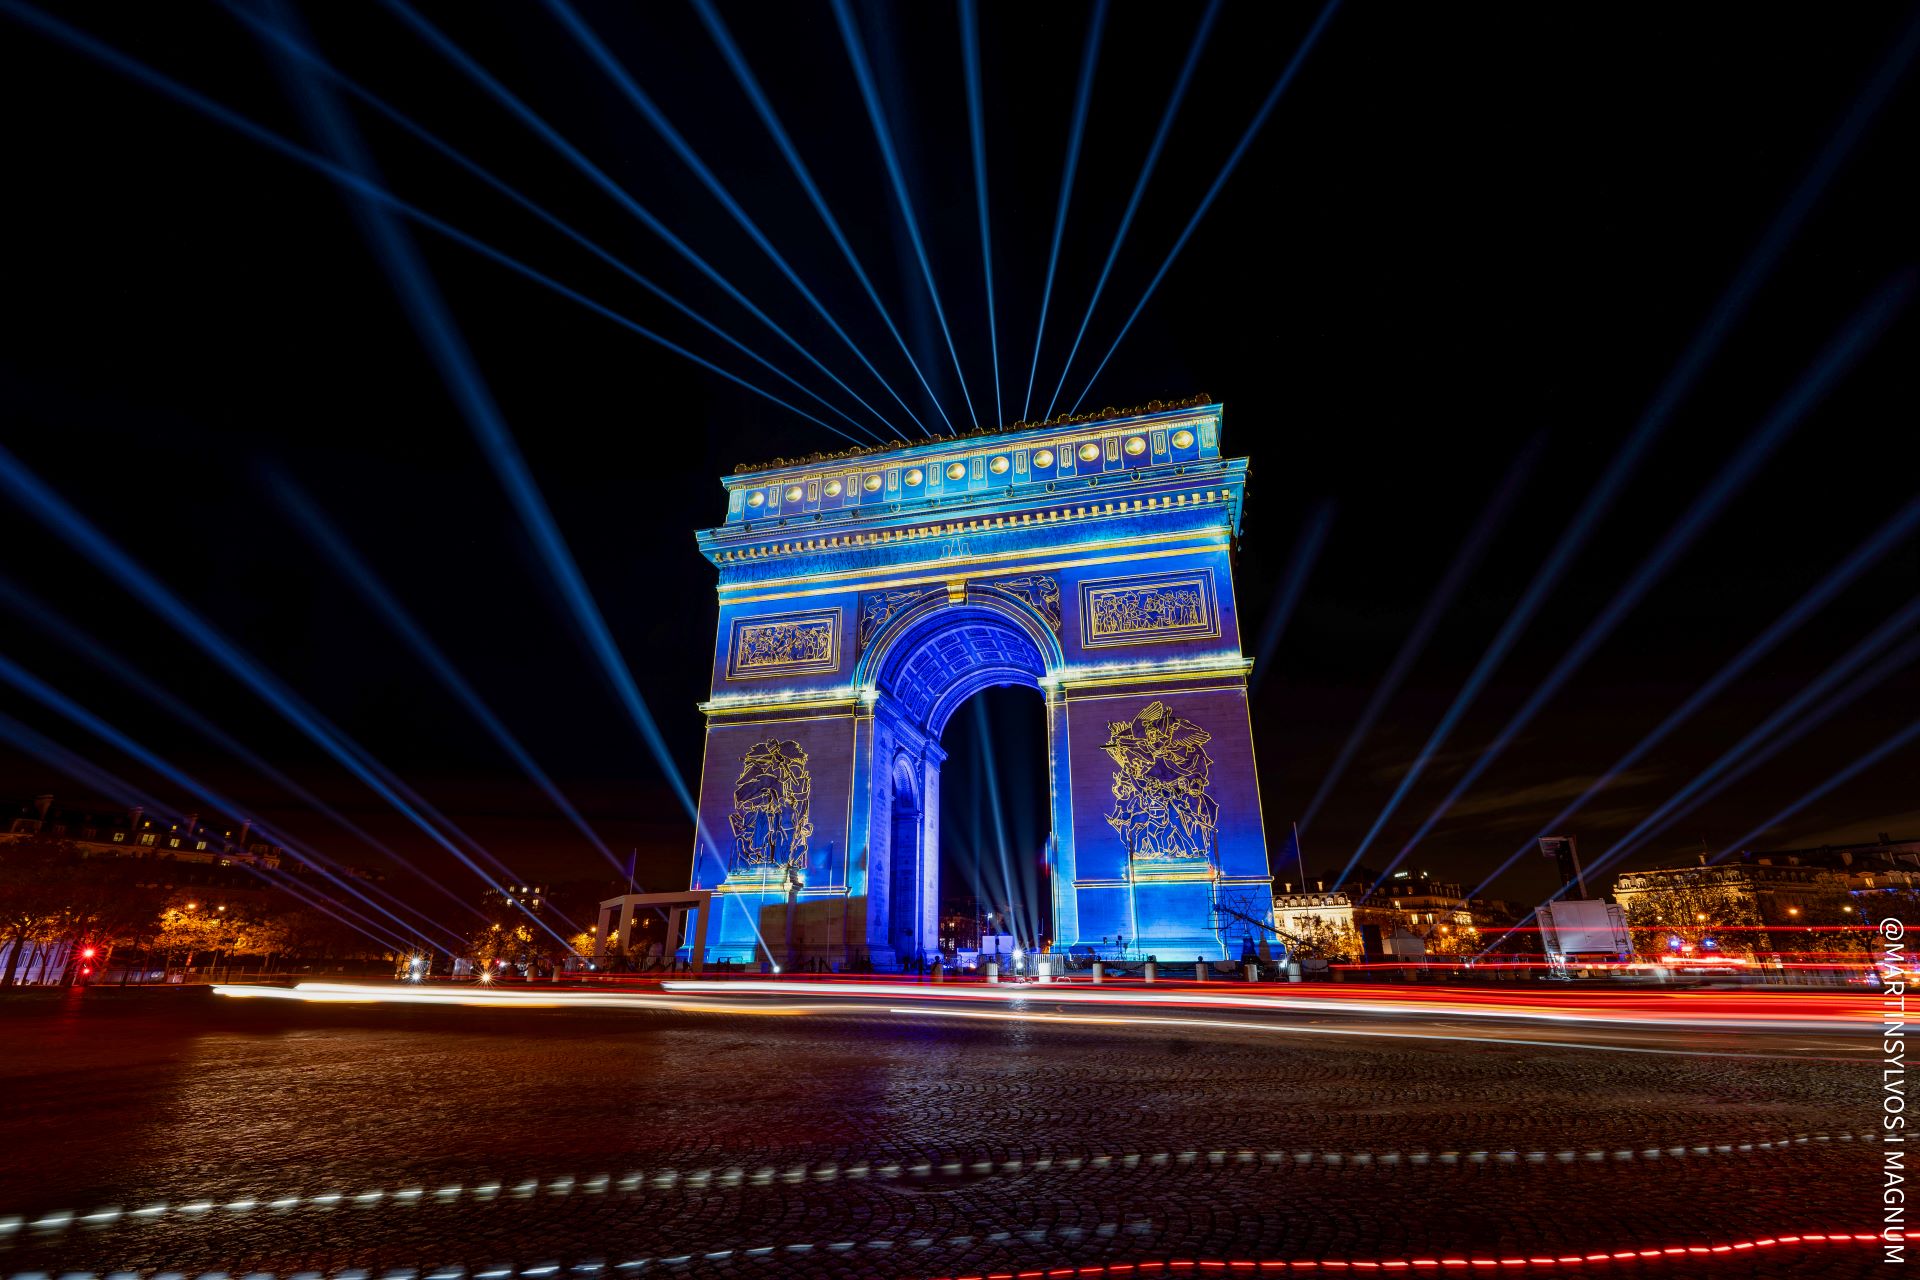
1463, 232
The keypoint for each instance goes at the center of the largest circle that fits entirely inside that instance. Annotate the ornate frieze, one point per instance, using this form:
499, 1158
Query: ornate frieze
1042, 591
1148, 609
878, 607
772, 808
784, 644
1162, 811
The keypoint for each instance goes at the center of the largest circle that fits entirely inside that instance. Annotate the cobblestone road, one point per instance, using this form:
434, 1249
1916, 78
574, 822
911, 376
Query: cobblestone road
481, 1144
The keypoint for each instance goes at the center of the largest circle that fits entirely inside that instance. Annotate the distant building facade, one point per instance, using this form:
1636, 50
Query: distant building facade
1405, 915
1738, 910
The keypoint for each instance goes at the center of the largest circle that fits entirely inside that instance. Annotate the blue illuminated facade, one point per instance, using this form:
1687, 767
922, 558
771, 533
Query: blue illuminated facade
864, 597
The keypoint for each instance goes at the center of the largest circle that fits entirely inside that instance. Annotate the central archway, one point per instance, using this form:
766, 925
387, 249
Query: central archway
918, 670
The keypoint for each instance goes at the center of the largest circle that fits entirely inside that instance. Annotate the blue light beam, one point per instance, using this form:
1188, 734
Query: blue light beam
1869, 553
977, 138
1219, 181
1899, 660
322, 533
1745, 762
435, 327
1464, 561
763, 105
74, 640
1306, 553
1842, 668
145, 75
1200, 35
1759, 263
52, 699
1830, 367
1852, 771
32, 494
1082, 98
105, 783
360, 93
598, 51
454, 54
876, 114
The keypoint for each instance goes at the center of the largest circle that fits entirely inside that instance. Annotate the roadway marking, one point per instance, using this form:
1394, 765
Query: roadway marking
1108, 1230
662, 1179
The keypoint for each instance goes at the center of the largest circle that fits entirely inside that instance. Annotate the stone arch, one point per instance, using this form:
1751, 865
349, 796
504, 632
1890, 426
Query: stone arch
935, 654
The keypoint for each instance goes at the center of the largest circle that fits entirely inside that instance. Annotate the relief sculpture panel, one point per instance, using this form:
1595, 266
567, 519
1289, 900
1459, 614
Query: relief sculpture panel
784, 644
1148, 610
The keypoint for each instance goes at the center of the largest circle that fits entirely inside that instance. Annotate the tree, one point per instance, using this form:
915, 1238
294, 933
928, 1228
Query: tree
1454, 940
33, 875
1318, 938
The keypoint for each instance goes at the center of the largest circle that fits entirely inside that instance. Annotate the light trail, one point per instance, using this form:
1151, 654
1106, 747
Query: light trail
762, 105
870, 95
147, 76
286, 43
105, 783
1492, 516
1082, 97
1685, 1010
322, 533
1859, 766
436, 329
1207, 19
1479, 1262
1306, 553
490, 997
1869, 553
1213, 190
1217, 1024
77, 641
454, 54
642, 102
32, 494
1833, 364
977, 139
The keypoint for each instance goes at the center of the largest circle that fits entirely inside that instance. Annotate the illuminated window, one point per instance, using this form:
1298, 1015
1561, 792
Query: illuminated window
795, 493
756, 499
174, 843
958, 471
1136, 445
1044, 458
914, 477
833, 488
146, 837
1183, 439
999, 466
1089, 452
873, 484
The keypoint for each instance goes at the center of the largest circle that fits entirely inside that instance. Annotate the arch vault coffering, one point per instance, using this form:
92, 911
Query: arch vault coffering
865, 598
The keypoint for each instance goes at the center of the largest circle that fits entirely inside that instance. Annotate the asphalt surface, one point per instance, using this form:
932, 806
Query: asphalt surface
911, 1133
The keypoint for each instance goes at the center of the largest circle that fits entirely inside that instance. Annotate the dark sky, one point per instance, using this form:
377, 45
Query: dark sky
1463, 229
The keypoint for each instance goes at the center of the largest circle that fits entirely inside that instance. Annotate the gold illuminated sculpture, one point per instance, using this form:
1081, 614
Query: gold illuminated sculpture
772, 807
1161, 807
